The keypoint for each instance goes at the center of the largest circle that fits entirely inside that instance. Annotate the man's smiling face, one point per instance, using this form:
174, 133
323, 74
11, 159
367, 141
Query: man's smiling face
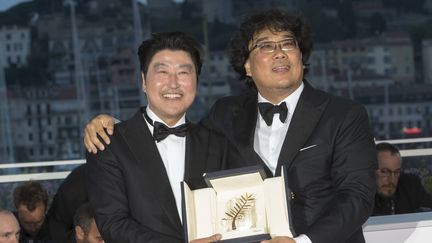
170, 84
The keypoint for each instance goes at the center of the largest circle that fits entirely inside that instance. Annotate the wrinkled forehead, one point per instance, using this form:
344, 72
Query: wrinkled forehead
389, 161
8, 222
269, 33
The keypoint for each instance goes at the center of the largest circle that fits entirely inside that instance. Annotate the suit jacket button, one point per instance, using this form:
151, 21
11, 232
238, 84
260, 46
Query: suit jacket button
292, 195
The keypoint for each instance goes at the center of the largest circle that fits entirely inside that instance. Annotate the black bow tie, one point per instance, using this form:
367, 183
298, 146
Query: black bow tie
161, 131
267, 110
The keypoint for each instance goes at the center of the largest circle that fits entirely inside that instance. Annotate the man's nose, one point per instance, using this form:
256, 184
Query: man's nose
279, 53
173, 81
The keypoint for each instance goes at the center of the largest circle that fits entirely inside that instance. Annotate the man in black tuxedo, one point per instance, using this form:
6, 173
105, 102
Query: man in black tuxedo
324, 142
397, 192
134, 184
70, 195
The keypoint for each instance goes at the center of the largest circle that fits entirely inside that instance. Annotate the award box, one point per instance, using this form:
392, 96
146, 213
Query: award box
241, 204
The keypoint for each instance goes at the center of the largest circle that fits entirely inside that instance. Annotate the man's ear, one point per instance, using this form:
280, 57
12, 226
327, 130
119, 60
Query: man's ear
247, 68
143, 82
79, 233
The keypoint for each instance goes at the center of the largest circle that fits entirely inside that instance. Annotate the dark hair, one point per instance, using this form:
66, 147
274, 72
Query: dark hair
84, 216
30, 194
275, 20
381, 147
171, 41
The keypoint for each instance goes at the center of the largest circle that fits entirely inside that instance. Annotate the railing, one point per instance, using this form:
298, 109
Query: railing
62, 174
407, 228
412, 152
38, 176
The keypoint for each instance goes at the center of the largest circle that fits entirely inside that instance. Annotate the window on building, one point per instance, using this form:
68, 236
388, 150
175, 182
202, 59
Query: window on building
409, 110
388, 71
380, 111
68, 120
387, 59
407, 70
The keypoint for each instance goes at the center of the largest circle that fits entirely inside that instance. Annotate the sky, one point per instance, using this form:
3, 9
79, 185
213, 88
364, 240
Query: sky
6, 4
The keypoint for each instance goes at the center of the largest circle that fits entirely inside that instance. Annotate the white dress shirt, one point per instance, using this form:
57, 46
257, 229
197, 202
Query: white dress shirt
268, 140
172, 151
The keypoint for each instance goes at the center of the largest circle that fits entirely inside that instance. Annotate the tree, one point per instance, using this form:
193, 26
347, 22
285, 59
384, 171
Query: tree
347, 17
377, 24
405, 6
428, 183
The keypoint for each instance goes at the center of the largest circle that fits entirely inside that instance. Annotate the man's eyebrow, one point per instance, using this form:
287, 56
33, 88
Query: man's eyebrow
188, 66
159, 64
287, 36
261, 39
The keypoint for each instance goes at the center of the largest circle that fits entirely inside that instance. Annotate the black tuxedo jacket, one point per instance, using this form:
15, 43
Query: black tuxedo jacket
69, 197
329, 154
129, 188
410, 197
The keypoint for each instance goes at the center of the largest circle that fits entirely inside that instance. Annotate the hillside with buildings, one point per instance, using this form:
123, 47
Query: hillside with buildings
63, 62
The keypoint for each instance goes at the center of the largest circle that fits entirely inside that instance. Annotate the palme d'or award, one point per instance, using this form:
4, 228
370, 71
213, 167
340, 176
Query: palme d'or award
241, 204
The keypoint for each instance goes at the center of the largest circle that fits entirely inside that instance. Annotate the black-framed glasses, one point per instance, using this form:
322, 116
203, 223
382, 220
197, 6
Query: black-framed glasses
288, 44
388, 173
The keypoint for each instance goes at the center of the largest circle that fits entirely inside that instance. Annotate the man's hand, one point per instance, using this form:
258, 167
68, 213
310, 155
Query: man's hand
213, 238
96, 127
280, 240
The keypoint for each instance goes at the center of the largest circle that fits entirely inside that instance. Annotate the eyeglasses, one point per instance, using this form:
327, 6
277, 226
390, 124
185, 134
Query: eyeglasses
270, 46
388, 173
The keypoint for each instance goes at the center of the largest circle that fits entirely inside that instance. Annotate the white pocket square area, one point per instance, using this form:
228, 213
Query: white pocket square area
308, 147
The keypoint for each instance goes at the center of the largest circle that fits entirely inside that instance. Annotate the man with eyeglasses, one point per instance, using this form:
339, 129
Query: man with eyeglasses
323, 142
397, 192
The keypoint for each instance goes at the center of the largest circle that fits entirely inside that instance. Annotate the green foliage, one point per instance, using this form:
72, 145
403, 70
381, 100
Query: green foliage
347, 16
405, 6
220, 34
18, 15
36, 70
325, 28
377, 24
428, 183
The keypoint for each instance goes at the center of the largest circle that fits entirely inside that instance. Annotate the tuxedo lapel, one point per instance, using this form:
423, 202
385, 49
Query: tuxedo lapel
307, 113
244, 124
146, 154
196, 149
